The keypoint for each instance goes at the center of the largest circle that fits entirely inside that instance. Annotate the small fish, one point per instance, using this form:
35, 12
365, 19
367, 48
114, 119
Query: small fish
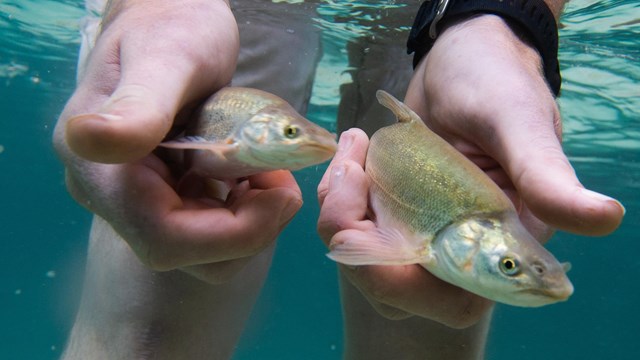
436, 208
241, 131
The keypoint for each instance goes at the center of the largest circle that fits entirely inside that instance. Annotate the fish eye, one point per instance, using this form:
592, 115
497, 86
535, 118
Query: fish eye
509, 265
291, 131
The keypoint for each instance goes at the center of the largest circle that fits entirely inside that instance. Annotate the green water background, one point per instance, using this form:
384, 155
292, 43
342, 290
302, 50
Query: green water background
43, 232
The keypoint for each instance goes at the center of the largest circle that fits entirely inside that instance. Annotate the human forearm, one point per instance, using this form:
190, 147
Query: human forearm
368, 335
129, 310
146, 67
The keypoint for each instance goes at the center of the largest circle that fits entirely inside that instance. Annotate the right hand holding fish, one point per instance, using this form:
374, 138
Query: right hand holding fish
395, 291
498, 111
125, 104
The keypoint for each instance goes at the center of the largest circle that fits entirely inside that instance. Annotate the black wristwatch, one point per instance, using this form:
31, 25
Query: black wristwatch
533, 16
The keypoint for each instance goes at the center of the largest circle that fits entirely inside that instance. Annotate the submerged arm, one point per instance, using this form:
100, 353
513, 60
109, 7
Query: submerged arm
498, 111
172, 272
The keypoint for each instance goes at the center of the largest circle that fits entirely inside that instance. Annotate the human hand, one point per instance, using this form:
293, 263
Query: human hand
481, 89
472, 104
151, 62
396, 292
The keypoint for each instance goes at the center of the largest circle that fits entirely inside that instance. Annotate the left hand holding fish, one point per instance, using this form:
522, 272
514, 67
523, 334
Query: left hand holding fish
125, 103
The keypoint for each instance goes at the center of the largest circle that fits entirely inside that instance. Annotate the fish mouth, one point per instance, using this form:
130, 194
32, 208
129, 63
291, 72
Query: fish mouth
327, 149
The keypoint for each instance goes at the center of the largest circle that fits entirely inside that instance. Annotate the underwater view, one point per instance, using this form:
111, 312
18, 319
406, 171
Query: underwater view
43, 232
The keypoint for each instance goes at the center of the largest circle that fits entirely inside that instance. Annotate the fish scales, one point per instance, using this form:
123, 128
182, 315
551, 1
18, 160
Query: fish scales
410, 159
222, 113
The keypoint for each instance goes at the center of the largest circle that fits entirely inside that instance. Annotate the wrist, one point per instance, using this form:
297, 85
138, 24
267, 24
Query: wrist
533, 20
475, 66
491, 30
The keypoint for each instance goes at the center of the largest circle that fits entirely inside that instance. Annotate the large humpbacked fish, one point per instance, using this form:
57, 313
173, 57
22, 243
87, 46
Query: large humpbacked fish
242, 131
435, 208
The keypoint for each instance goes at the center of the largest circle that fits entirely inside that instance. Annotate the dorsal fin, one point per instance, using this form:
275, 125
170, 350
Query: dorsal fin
401, 111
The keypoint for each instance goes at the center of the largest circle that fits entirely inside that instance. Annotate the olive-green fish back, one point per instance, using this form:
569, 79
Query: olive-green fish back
230, 107
423, 181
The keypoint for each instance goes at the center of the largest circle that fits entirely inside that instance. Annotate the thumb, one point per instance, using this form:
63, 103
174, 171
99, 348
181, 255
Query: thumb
126, 128
533, 157
149, 88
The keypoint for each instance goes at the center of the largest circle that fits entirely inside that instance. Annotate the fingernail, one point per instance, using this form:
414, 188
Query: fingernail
601, 197
290, 210
337, 176
345, 142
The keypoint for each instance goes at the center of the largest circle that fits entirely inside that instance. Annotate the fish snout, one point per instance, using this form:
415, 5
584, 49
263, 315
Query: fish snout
321, 142
564, 292
560, 287
548, 284
555, 287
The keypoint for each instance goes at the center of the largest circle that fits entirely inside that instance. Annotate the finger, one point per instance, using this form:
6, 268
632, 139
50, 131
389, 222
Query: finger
140, 111
547, 182
167, 231
352, 145
274, 179
345, 203
540, 230
221, 234
414, 290
264, 181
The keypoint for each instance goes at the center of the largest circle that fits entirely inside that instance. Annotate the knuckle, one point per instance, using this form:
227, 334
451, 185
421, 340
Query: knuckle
322, 191
329, 224
325, 229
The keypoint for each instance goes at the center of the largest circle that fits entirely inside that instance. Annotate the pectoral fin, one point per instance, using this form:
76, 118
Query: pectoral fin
378, 247
199, 143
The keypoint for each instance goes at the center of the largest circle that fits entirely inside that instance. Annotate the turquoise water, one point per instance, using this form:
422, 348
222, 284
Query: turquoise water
43, 232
